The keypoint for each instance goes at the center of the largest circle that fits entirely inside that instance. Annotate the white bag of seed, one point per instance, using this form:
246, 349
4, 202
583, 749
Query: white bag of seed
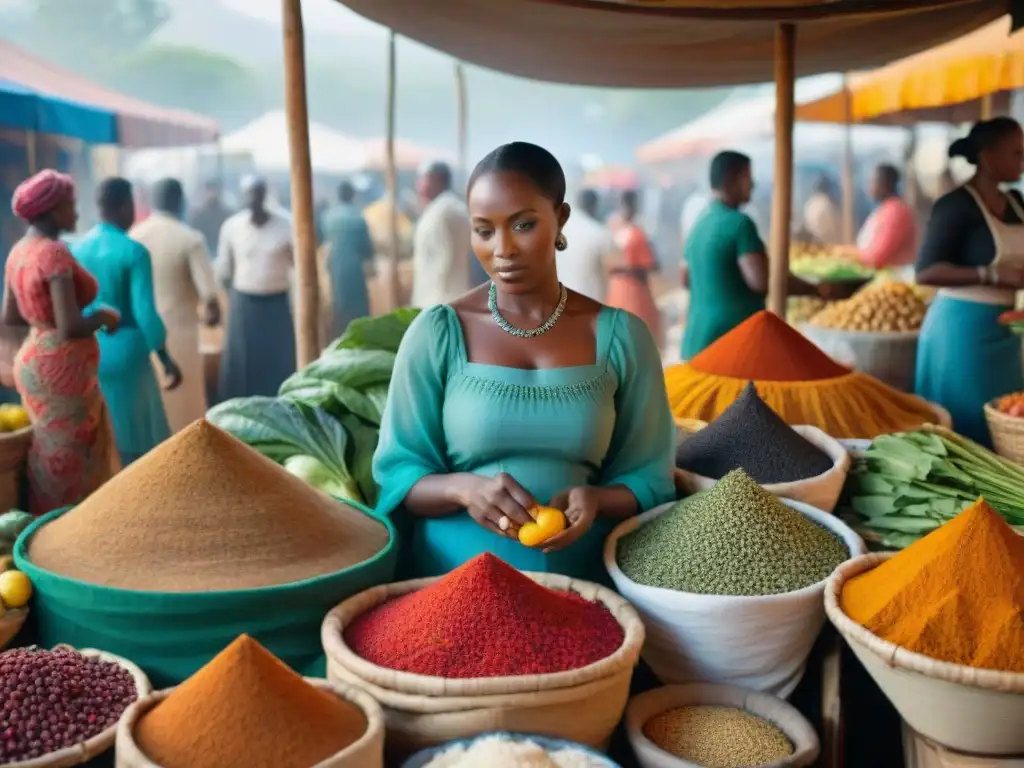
755, 642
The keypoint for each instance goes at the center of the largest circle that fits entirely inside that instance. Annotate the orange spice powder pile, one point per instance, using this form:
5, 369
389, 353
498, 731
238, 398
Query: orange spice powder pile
246, 708
955, 595
765, 348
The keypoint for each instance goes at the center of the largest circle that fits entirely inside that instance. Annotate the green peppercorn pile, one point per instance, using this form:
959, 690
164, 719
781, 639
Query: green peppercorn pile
735, 539
718, 737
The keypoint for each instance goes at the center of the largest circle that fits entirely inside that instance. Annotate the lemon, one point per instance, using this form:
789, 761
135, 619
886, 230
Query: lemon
15, 589
14, 417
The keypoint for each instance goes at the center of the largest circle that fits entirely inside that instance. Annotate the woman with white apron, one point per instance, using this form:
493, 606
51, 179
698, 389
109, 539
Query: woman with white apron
973, 252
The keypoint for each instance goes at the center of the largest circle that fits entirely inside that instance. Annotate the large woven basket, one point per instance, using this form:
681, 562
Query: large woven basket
1007, 433
582, 705
979, 711
13, 453
366, 752
101, 742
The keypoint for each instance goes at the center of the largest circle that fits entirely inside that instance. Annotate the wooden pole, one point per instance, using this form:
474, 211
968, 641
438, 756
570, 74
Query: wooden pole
782, 192
307, 323
463, 121
985, 107
30, 153
849, 190
391, 273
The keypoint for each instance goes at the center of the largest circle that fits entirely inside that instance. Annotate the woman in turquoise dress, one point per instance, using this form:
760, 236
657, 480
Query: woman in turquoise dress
522, 393
123, 270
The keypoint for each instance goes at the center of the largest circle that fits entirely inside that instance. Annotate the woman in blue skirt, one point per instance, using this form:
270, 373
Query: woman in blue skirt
973, 252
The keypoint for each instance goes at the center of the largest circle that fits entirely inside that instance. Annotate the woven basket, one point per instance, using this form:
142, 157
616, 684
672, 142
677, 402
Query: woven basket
582, 705
101, 742
10, 624
366, 752
979, 711
776, 711
13, 453
1007, 433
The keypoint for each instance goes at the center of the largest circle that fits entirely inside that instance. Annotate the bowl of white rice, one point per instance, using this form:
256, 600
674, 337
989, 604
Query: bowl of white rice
509, 750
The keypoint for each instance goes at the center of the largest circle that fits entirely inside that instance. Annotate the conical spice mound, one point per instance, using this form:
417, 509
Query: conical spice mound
202, 512
955, 595
246, 708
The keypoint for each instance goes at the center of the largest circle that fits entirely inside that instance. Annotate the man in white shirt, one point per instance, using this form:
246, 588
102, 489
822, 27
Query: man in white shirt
583, 265
441, 248
254, 262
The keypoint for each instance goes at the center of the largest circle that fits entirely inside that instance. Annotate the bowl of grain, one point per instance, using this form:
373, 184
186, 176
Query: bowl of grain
690, 726
500, 749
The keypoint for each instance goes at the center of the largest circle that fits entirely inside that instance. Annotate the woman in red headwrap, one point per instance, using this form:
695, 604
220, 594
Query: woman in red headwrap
55, 370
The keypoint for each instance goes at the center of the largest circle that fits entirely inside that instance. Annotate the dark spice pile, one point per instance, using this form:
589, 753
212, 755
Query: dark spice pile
751, 436
735, 539
485, 619
56, 699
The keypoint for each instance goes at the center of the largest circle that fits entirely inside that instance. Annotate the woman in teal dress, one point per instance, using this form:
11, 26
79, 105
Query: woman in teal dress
123, 270
521, 392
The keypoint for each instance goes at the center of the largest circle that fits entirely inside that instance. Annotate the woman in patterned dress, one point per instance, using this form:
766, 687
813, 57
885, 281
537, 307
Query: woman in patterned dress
55, 370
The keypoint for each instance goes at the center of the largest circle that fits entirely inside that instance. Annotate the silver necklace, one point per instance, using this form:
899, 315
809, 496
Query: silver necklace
507, 327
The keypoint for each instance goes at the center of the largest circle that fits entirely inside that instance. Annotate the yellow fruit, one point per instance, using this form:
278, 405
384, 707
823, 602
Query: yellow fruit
15, 589
13, 418
549, 522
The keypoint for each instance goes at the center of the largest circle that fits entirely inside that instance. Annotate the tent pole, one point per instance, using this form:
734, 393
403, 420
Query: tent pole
848, 172
986, 107
30, 153
782, 194
303, 230
463, 115
392, 179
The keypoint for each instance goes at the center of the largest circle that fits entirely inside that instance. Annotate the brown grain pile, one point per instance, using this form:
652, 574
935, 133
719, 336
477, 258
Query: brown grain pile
246, 708
205, 512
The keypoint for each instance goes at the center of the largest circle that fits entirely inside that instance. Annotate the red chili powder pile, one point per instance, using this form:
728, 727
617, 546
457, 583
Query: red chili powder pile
485, 619
765, 348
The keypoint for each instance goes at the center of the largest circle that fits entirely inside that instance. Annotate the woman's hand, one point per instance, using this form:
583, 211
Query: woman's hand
489, 500
580, 507
109, 319
1010, 274
172, 374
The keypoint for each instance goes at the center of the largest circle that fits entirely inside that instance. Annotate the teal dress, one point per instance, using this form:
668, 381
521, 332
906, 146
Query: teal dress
719, 297
123, 269
550, 429
345, 229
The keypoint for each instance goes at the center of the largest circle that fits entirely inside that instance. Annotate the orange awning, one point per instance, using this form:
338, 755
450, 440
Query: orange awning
945, 84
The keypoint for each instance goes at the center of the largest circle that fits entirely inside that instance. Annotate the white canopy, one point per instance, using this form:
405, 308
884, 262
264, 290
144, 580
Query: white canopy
266, 140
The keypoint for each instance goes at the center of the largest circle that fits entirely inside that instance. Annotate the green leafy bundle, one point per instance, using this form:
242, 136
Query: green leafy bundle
324, 424
907, 485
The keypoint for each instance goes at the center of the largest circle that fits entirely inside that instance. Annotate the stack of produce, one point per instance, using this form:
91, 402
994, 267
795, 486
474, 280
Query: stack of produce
503, 752
906, 485
15, 586
1014, 320
13, 417
956, 595
215, 529
527, 628
718, 737
736, 539
1011, 405
57, 699
795, 378
800, 309
882, 307
750, 436
323, 426
247, 708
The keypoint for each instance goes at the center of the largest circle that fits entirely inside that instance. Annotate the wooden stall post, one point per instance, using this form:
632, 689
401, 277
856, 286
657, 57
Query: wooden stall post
849, 184
782, 192
307, 344
985, 108
391, 177
463, 121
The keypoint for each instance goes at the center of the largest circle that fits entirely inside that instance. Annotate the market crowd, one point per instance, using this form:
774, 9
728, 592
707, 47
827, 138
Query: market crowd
106, 333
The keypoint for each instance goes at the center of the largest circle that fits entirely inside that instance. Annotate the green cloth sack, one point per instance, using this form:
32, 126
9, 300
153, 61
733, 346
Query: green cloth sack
172, 634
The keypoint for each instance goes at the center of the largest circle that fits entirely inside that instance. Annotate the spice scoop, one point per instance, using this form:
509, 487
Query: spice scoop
548, 523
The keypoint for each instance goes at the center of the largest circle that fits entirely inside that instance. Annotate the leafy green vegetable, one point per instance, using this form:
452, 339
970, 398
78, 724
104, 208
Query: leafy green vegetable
282, 429
12, 523
356, 368
384, 332
909, 484
319, 476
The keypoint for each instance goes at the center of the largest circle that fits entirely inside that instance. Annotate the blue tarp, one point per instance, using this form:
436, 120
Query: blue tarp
24, 109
